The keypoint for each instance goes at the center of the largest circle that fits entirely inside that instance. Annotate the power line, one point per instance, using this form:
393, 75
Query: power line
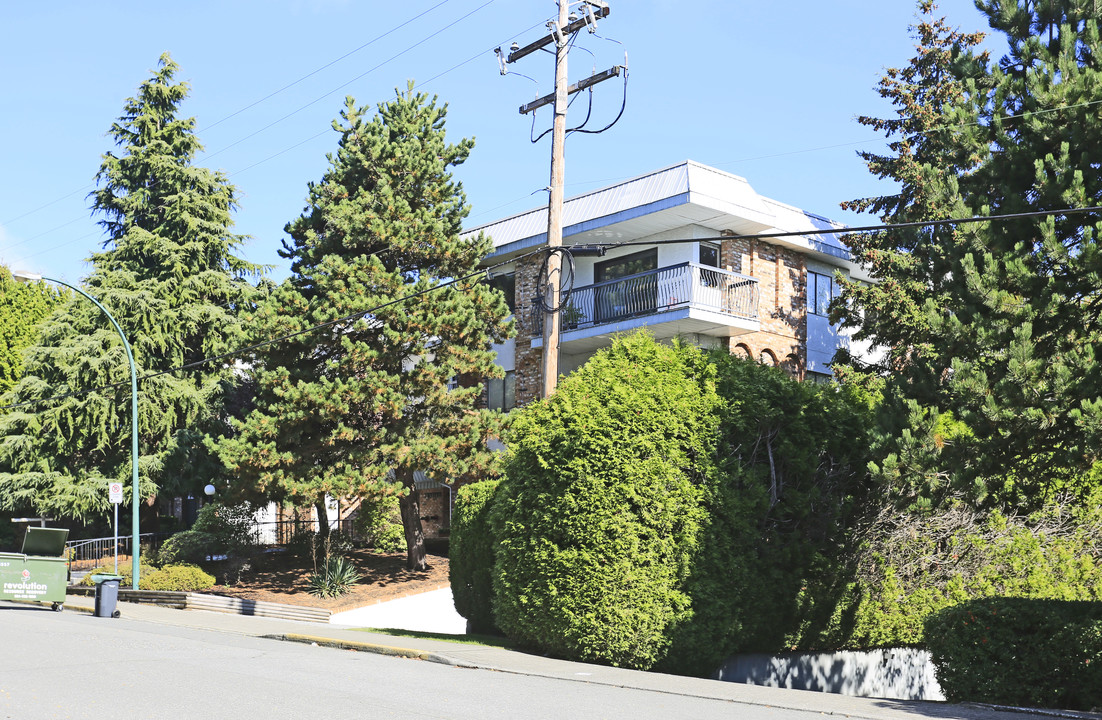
327, 65
253, 104
863, 228
344, 85
272, 341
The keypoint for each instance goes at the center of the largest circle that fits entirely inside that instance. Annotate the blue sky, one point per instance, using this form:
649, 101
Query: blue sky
768, 91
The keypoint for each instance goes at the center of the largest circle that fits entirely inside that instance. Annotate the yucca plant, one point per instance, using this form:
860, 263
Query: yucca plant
335, 578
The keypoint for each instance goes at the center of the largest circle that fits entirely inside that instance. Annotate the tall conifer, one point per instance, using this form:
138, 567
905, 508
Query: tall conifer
991, 329
169, 274
357, 407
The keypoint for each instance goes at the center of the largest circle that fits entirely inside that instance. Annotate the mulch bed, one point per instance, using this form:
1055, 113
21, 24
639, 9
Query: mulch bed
282, 578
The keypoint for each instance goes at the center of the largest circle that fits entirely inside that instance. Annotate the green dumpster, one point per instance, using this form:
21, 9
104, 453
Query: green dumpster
40, 572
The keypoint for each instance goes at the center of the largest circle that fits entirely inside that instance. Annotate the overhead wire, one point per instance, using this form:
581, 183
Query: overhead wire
276, 122
256, 346
252, 104
490, 268
346, 84
326, 66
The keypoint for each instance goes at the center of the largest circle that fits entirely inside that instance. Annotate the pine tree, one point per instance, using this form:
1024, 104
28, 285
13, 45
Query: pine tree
22, 308
169, 275
358, 406
991, 328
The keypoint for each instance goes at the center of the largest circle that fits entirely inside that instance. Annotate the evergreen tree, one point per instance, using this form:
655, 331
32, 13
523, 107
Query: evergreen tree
22, 308
991, 328
359, 405
169, 275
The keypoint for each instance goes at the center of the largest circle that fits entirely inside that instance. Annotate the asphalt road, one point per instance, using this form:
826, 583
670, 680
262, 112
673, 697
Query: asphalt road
72, 665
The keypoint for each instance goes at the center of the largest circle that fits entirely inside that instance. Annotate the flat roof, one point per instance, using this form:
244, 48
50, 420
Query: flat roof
688, 193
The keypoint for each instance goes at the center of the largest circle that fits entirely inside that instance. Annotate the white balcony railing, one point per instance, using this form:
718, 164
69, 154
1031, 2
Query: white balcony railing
657, 291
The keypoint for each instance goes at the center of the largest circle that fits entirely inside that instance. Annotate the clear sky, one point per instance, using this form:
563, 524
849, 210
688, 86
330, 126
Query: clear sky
768, 91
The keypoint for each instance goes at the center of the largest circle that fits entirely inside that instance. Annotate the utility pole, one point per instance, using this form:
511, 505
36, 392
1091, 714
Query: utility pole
551, 324
560, 34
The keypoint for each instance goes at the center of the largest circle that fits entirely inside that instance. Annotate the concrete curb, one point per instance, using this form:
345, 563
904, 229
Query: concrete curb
364, 647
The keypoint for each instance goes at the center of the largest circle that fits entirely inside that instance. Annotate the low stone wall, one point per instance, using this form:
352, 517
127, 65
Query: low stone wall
896, 674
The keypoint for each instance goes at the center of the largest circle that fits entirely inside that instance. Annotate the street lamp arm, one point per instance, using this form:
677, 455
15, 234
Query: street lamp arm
135, 549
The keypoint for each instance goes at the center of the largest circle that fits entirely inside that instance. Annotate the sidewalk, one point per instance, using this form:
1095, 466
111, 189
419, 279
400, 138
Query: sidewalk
502, 660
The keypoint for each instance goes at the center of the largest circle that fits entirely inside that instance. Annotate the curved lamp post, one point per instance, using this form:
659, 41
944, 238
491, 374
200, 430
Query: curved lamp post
135, 549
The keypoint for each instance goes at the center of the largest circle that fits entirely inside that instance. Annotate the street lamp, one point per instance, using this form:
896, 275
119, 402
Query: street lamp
136, 500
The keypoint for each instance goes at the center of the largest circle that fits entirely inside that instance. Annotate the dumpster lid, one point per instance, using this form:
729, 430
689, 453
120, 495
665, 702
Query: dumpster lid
45, 541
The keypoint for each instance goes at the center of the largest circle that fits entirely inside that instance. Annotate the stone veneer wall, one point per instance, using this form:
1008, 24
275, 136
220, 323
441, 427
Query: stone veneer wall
782, 302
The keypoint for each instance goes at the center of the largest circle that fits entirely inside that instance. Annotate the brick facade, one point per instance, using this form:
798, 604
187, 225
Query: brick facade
782, 311
782, 302
529, 361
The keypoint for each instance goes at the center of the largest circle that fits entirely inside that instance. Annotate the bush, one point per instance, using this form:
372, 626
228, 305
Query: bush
380, 521
335, 578
599, 514
471, 555
790, 480
126, 571
179, 578
188, 546
1017, 651
912, 566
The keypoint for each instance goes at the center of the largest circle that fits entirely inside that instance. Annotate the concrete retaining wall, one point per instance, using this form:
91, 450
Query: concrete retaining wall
898, 674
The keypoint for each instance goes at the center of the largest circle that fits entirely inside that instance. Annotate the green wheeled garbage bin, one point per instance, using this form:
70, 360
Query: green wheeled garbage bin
40, 572
107, 595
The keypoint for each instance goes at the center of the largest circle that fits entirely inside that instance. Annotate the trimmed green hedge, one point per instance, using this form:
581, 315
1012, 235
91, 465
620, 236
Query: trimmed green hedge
599, 515
178, 578
471, 555
1019, 651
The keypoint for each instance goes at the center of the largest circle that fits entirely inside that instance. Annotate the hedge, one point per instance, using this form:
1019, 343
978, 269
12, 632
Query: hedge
471, 555
179, 578
1019, 651
598, 517
910, 567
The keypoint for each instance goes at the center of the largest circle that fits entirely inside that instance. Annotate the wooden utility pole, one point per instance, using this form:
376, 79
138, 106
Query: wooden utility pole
551, 323
560, 33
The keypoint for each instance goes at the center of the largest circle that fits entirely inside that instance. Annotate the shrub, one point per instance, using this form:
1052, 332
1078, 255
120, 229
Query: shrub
1018, 651
380, 521
126, 572
471, 555
791, 478
179, 578
335, 578
188, 546
912, 566
599, 515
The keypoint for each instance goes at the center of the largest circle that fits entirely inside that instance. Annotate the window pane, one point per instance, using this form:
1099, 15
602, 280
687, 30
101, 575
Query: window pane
507, 284
822, 296
709, 255
510, 390
495, 397
628, 265
811, 278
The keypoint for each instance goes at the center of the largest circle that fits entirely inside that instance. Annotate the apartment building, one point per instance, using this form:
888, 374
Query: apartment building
678, 263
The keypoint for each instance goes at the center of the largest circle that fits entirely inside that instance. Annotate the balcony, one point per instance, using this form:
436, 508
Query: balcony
677, 300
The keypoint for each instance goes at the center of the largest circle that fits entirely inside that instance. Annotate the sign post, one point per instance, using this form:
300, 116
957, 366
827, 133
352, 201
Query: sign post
114, 492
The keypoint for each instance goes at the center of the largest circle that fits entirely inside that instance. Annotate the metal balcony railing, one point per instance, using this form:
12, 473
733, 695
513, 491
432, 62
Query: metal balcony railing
657, 291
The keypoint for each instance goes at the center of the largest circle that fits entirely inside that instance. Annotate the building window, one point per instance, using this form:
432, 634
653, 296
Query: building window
614, 300
768, 358
709, 254
821, 289
507, 284
501, 393
620, 267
